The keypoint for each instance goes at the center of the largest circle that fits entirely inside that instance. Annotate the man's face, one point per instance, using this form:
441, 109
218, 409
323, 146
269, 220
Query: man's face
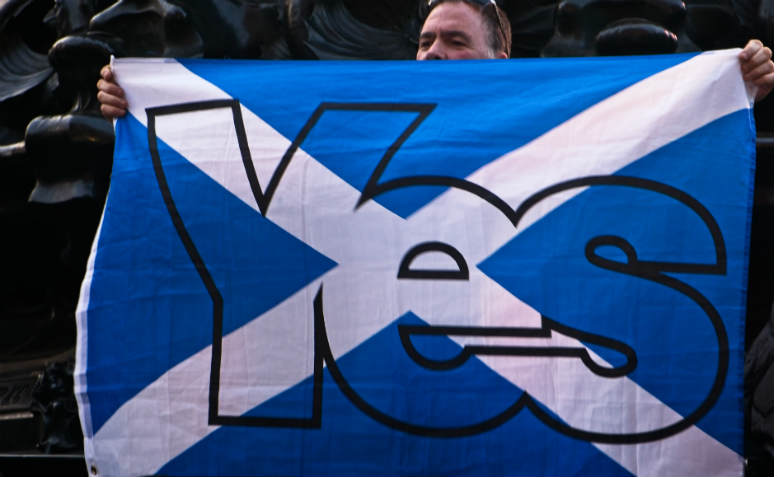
454, 31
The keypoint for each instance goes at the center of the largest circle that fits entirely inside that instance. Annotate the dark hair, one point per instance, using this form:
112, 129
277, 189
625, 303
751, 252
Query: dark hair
496, 20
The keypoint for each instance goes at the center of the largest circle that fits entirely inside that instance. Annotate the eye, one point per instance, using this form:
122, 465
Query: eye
459, 271
458, 41
425, 42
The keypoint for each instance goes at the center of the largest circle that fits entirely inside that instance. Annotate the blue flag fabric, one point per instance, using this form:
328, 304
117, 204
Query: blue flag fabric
531, 267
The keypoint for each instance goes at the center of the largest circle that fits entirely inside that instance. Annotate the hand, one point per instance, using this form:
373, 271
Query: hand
757, 67
113, 104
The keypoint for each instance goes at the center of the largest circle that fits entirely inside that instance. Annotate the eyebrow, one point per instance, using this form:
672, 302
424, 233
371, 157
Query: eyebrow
446, 34
455, 33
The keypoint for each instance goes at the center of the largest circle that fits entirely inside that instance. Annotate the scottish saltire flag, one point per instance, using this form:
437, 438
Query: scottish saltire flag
531, 267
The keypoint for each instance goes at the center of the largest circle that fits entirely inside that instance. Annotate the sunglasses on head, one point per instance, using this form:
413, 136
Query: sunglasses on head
432, 3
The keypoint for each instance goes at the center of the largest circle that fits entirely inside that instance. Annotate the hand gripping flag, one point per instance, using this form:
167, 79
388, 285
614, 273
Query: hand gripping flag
531, 267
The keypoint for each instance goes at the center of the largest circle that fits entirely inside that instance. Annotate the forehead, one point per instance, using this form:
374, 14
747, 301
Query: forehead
458, 16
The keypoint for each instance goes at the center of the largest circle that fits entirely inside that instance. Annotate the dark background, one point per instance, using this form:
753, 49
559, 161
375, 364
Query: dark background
55, 156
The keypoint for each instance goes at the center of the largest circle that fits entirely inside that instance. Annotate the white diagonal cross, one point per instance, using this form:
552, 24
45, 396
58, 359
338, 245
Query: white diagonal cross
368, 246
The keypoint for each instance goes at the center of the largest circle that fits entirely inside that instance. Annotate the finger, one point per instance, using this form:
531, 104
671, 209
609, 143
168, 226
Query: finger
110, 88
759, 59
110, 112
764, 86
751, 48
765, 81
758, 71
106, 73
762, 54
111, 100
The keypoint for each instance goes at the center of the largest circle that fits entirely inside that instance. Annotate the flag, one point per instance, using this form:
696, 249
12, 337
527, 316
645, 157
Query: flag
522, 267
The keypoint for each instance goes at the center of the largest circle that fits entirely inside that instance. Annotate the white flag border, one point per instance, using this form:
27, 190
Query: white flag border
633, 457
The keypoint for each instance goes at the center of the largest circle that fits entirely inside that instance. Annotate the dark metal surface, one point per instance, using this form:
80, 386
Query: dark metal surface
32, 464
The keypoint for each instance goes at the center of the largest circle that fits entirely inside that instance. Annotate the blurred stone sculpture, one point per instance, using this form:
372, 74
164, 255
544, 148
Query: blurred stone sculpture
604, 27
